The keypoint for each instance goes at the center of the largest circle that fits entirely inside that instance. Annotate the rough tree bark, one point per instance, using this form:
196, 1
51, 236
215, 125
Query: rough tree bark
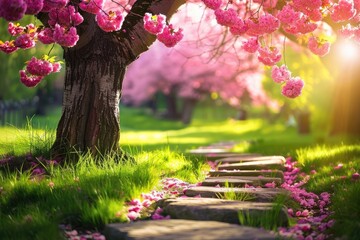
95, 69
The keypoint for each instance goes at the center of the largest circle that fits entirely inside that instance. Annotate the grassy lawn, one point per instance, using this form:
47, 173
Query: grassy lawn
89, 195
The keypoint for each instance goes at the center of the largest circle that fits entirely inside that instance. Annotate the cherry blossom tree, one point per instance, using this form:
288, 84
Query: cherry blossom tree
192, 68
101, 38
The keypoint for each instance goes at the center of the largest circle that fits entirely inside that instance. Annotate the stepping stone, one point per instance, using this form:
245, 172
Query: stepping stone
265, 173
244, 194
215, 156
240, 181
239, 159
184, 230
252, 165
212, 209
208, 150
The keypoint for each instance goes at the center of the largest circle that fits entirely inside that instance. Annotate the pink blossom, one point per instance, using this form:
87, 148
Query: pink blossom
302, 25
46, 36
8, 47
39, 67
213, 4
135, 202
280, 74
12, 10
226, 17
315, 15
288, 15
355, 176
110, 21
317, 47
154, 24
91, 6
270, 185
339, 166
15, 29
313, 171
169, 37
33, 7
293, 87
343, 11
239, 27
66, 38
158, 215
146, 203
251, 45
135, 209
65, 17
268, 23
307, 5
25, 41
29, 80
254, 28
269, 56
305, 213
50, 4
133, 215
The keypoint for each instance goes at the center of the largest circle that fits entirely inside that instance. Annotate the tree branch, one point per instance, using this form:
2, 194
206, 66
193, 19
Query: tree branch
133, 32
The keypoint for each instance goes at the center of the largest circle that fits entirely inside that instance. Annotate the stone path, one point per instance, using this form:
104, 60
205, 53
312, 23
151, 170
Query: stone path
203, 212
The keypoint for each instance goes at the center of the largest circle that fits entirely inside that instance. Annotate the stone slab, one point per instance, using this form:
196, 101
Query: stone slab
215, 156
265, 164
239, 159
249, 194
208, 150
184, 230
265, 173
212, 209
240, 181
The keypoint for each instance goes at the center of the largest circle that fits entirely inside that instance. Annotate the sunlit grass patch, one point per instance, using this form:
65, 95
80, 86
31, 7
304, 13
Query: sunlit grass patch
87, 195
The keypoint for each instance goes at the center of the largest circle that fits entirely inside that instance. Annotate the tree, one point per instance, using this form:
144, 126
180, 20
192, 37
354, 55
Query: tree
99, 44
191, 69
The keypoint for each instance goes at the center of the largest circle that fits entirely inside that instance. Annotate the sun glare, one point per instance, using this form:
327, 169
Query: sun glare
349, 51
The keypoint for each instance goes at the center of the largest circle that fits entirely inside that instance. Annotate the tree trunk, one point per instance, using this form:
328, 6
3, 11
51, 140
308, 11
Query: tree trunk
188, 109
95, 69
93, 81
171, 105
346, 110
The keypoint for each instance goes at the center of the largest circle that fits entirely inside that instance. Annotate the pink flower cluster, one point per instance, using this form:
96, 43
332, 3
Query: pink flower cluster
269, 55
213, 4
91, 6
318, 47
156, 24
292, 87
36, 70
226, 17
251, 45
343, 11
111, 21
280, 74
265, 24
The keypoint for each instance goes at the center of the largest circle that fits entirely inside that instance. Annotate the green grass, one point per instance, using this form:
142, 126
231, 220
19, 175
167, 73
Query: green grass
345, 191
89, 195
